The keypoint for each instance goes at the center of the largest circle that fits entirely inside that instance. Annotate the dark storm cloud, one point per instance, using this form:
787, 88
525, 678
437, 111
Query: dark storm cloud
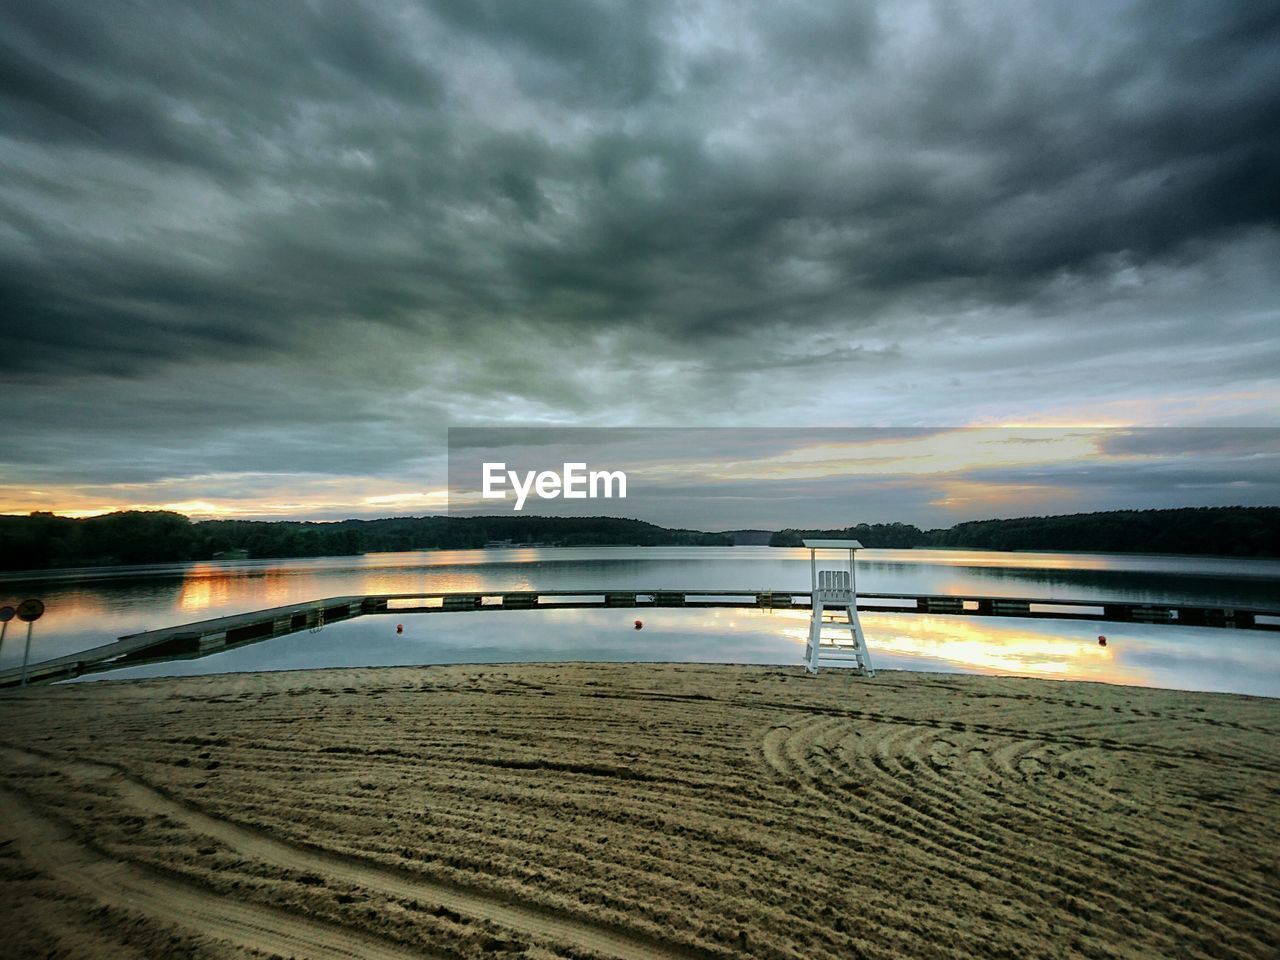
576, 51
405, 212
1230, 444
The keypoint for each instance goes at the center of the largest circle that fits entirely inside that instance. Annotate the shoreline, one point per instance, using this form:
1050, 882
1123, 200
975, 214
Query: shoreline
488, 665
637, 810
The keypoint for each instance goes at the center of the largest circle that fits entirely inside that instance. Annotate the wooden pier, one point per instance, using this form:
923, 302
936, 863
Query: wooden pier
191, 640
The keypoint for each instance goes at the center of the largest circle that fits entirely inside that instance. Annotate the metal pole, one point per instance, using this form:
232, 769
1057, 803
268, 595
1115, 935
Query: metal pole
26, 654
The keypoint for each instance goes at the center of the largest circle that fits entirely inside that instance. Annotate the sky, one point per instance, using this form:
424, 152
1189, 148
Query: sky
257, 258
831, 477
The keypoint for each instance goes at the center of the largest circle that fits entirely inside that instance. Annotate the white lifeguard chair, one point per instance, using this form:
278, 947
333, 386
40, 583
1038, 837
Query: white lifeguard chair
835, 589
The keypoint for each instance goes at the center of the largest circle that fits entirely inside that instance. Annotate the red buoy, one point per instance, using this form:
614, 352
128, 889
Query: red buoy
1102, 641
399, 628
639, 624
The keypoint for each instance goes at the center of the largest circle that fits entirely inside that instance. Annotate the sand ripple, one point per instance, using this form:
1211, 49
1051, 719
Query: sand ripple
638, 811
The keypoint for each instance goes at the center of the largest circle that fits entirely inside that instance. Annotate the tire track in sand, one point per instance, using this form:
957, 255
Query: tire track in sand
51, 848
539, 922
821, 757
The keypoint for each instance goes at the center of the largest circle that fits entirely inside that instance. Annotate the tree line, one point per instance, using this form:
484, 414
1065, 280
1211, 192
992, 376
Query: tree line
43, 540
1218, 531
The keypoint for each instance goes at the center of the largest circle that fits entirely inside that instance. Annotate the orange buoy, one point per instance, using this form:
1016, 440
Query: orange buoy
639, 624
1102, 641
399, 628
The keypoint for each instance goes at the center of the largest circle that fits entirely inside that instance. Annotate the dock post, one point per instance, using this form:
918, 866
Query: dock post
28, 611
26, 654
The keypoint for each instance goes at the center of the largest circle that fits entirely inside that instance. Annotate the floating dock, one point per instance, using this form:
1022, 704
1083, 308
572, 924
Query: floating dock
191, 640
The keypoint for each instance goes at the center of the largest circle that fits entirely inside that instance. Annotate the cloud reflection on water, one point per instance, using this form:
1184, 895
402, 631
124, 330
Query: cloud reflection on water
1136, 654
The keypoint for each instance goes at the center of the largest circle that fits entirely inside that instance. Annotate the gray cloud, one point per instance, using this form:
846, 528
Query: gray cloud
229, 234
836, 477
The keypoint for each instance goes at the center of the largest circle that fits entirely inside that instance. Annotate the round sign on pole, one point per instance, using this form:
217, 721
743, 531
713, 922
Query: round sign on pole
6, 613
29, 611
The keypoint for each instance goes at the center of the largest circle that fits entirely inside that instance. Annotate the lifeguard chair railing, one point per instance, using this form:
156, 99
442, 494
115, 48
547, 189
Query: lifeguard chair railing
835, 589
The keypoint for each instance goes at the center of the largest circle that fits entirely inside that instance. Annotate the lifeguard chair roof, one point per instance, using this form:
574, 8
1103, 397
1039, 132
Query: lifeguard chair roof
833, 544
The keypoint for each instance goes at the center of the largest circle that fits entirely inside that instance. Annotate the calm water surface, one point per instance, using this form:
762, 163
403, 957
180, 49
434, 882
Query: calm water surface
89, 607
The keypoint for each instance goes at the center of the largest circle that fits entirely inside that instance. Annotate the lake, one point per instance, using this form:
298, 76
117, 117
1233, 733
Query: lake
89, 607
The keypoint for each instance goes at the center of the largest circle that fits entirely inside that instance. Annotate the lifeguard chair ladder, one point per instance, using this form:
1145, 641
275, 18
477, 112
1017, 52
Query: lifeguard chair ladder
835, 589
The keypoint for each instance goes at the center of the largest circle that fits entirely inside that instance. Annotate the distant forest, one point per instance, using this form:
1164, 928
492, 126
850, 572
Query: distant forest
1219, 531
43, 540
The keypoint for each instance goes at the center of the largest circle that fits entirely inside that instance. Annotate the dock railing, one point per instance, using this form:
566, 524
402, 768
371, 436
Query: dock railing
191, 640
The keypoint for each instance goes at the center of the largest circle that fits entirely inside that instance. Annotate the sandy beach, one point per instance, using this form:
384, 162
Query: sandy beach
659, 811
